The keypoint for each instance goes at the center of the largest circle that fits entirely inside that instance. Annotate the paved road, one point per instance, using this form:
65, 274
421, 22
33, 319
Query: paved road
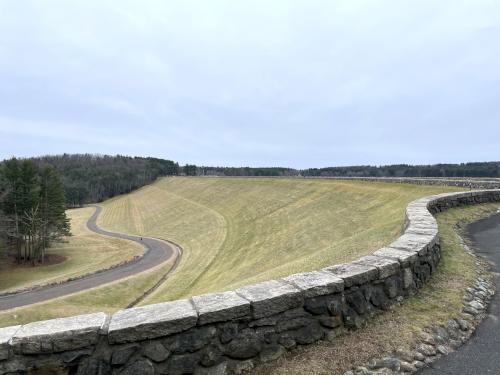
481, 354
156, 252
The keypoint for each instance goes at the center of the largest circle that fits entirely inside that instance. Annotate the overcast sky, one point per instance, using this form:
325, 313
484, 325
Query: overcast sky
259, 83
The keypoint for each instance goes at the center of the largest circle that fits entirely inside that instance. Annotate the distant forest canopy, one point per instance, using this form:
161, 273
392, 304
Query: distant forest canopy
486, 169
89, 178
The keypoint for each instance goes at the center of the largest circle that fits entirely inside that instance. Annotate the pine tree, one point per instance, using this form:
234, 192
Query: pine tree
32, 204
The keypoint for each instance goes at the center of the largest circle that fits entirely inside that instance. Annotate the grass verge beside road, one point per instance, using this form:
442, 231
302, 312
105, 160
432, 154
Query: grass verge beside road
82, 253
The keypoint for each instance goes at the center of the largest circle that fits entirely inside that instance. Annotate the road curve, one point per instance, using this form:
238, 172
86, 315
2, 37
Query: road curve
480, 355
157, 252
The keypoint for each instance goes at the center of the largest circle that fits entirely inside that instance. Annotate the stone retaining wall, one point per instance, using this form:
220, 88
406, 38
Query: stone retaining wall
472, 183
229, 332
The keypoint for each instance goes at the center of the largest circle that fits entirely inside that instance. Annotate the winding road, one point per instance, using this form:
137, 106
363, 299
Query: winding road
481, 354
157, 252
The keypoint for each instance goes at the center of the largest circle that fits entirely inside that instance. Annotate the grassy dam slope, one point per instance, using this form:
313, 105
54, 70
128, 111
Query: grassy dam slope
236, 231
233, 231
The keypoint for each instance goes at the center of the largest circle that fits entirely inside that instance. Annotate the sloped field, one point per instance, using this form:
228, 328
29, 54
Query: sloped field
236, 231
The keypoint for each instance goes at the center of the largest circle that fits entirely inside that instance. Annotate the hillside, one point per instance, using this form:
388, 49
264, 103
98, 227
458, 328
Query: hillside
89, 178
238, 231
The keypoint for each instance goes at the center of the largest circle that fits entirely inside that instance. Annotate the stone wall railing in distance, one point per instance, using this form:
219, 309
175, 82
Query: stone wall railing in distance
231, 331
469, 183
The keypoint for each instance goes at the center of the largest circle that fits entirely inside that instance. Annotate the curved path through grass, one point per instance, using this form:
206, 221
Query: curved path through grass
157, 252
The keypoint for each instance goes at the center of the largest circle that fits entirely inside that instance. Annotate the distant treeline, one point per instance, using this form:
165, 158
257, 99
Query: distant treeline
241, 171
487, 169
91, 178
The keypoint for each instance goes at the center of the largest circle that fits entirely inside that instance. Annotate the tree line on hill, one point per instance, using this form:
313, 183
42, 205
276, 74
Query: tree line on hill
486, 169
35, 192
32, 209
89, 178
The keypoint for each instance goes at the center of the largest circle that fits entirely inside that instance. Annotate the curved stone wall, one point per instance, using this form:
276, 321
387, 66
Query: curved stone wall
231, 331
472, 183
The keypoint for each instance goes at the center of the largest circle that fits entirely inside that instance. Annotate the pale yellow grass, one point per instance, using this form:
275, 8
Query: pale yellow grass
85, 252
439, 301
108, 298
239, 231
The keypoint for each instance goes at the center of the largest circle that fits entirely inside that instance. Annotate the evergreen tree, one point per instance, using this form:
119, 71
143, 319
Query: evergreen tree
32, 207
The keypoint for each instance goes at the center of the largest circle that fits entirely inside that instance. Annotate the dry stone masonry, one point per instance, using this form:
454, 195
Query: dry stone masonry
229, 332
472, 183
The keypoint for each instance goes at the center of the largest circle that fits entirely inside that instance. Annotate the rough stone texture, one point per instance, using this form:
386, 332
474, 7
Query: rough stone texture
232, 331
315, 284
155, 351
218, 307
386, 266
58, 335
271, 297
405, 257
5, 336
414, 242
152, 321
354, 274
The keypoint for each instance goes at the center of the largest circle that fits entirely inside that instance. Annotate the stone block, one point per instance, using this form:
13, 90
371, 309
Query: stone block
271, 297
386, 266
314, 284
192, 340
407, 278
405, 258
219, 307
413, 242
58, 335
155, 351
419, 230
246, 345
354, 274
5, 336
152, 321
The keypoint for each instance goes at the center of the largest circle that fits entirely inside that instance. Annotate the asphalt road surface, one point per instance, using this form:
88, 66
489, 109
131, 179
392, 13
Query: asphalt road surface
481, 354
156, 252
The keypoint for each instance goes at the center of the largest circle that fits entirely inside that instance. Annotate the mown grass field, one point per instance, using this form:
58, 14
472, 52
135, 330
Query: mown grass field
238, 231
84, 252
437, 302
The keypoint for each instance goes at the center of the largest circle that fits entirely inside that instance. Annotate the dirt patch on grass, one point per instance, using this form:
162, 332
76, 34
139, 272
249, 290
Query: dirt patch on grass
50, 260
